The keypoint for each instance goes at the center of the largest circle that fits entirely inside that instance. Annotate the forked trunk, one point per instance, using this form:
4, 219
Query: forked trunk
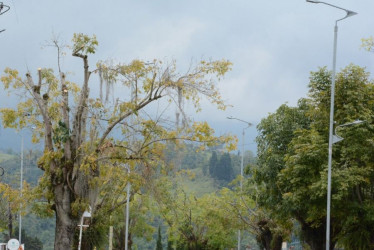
66, 223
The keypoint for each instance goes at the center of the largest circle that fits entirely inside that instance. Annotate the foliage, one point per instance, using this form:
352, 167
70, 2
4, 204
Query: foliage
82, 156
213, 162
32, 243
292, 165
33, 225
225, 170
194, 222
368, 43
159, 240
221, 169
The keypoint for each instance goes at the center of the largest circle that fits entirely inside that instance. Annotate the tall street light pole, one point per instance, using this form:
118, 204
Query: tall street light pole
242, 163
127, 209
348, 14
21, 187
132, 89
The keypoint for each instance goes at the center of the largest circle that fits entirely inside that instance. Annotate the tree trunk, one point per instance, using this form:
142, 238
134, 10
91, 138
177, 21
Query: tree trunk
265, 236
276, 243
316, 236
264, 239
66, 223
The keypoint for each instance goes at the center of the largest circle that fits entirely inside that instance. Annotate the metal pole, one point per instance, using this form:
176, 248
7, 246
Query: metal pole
349, 13
242, 162
128, 183
127, 211
80, 234
111, 238
331, 129
21, 187
241, 180
239, 239
241, 165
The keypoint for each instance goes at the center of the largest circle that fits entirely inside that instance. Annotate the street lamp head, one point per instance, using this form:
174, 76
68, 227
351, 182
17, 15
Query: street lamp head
350, 13
336, 138
351, 123
357, 122
233, 118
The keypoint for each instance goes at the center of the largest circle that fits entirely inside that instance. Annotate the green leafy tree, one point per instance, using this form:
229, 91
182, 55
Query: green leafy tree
170, 244
194, 223
268, 231
83, 161
293, 146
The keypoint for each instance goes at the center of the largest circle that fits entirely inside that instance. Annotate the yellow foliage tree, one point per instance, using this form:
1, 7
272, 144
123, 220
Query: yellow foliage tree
88, 141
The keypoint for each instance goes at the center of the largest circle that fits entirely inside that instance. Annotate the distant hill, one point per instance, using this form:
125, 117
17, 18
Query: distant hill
42, 228
11, 140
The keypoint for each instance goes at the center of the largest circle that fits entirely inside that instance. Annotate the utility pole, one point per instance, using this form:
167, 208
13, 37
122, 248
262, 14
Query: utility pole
21, 187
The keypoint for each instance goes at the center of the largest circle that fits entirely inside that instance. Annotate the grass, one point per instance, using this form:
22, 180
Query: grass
5, 157
200, 184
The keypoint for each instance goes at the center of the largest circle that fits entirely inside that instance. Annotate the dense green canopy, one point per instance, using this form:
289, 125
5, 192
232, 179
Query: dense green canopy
292, 150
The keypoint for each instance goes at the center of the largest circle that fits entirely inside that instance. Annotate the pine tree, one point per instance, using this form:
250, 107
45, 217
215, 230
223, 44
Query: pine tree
213, 161
224, 170
159, 240
170, 244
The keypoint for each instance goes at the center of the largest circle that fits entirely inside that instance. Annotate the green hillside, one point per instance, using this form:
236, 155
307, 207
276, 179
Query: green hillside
5, 157
34, 228
192, 174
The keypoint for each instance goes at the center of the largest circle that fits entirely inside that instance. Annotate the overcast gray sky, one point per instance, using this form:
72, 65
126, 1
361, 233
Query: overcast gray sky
273, 44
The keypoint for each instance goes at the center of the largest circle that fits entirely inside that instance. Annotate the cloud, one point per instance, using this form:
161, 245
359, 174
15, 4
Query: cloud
162, 38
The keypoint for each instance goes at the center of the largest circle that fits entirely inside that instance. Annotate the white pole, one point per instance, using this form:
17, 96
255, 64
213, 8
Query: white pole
128, 185
21, 187
80, 234
127, 210
241, 165
349, 13
241, 181
242, 162
110, 237
331, 139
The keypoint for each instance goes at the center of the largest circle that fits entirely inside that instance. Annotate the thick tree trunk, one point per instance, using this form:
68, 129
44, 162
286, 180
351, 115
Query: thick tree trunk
66, 223
266, 239
316, 236
276, 243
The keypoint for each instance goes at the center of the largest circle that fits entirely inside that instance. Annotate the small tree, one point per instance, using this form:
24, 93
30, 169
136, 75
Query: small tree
224, 168
213, 162
159, 240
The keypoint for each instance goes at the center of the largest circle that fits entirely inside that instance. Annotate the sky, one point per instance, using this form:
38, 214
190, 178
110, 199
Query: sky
273, 45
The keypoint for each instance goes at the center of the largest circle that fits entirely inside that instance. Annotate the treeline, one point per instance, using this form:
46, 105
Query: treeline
213, 164
291, 173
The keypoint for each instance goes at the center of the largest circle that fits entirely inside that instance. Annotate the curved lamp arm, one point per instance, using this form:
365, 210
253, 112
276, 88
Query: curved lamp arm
233, 118
3, 8
348, 12
336, 138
